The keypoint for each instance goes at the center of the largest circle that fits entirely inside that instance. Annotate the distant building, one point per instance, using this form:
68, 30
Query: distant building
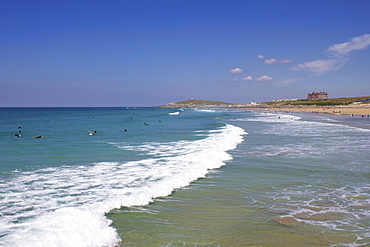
315, 95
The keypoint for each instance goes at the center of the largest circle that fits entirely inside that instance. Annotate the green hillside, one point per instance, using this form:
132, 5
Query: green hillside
202, 102
318, 102
194, 103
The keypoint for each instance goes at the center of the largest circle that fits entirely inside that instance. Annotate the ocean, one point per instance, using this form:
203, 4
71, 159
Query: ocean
182, 177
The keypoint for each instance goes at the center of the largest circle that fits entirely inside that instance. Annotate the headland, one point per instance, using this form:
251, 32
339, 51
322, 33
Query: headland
195, 103
339, 106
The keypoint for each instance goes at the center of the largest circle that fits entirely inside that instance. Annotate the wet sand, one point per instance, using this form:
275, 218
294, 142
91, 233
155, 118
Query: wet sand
340, 110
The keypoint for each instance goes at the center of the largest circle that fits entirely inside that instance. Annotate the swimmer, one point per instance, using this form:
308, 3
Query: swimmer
18, 135
37, 137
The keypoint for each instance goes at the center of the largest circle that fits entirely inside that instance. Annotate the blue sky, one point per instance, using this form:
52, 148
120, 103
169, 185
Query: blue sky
149, 53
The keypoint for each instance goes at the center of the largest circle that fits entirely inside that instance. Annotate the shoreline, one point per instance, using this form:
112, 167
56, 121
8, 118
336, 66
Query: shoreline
351, 116
359, 110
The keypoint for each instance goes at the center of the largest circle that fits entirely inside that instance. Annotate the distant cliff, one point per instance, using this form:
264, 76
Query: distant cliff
194, 103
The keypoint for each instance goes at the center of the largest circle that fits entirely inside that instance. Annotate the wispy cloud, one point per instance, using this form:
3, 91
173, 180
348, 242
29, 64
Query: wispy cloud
355, 44
274, 60
338, 52
236, 71
320, 67
250, 78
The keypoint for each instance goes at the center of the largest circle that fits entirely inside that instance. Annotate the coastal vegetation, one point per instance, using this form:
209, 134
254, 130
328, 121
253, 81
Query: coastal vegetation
202, 102
317, 102
195, 103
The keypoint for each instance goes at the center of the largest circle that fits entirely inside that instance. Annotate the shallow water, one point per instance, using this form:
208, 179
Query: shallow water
287, 168
194, 178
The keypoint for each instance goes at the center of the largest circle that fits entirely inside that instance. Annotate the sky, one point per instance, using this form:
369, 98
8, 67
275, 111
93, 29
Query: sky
152, 52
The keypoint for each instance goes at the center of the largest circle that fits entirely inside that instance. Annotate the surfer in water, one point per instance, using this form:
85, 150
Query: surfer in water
19, 132
91, 133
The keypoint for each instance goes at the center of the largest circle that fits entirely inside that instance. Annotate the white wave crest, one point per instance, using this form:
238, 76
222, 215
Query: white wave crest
66, 206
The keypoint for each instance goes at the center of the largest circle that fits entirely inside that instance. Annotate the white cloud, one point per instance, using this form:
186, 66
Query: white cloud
339, 53
236, 71
248, 78
274, 60
320, 67
270, 61
261, 56
356, 43
285, 60
264, 78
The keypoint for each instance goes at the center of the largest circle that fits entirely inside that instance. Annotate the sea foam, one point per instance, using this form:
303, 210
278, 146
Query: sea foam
66, 206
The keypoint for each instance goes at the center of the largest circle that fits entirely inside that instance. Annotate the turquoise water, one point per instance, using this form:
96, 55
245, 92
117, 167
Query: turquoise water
182, 177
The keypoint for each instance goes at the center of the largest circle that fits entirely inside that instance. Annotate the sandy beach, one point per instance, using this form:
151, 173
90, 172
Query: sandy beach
340, 110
